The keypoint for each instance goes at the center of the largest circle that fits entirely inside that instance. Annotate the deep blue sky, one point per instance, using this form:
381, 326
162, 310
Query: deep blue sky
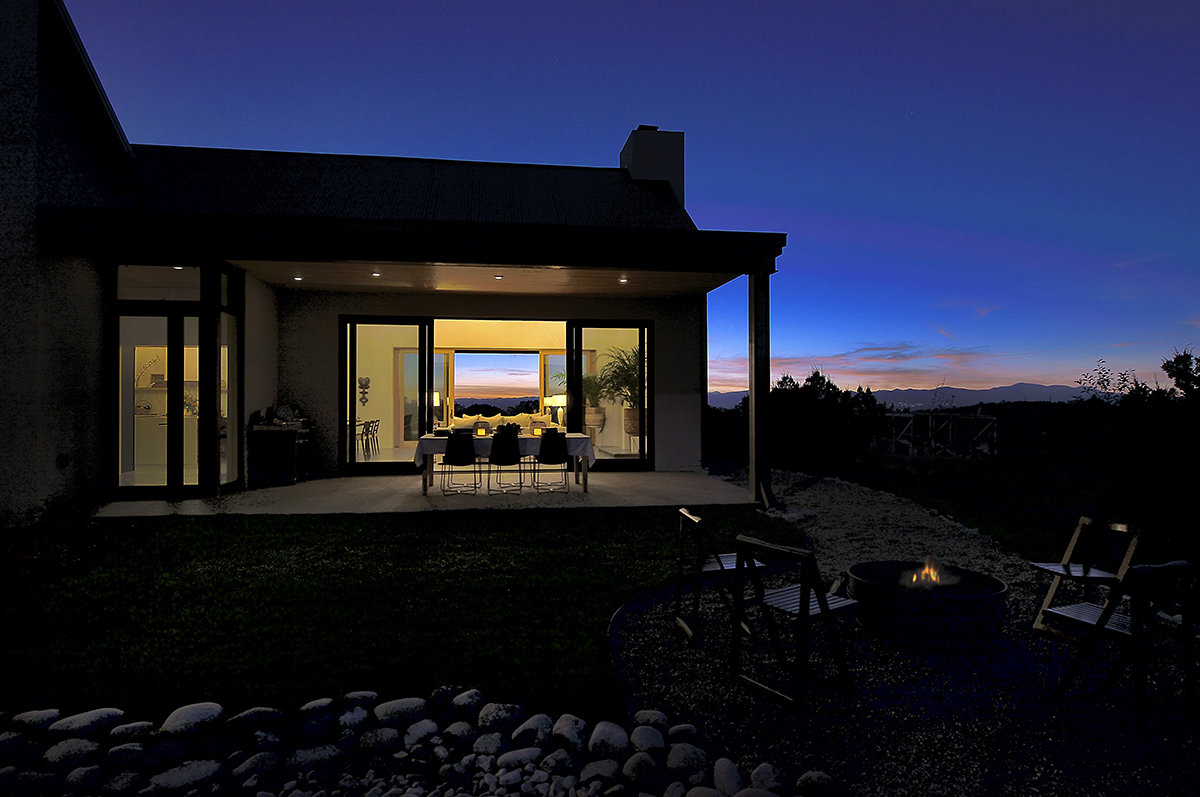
974, 192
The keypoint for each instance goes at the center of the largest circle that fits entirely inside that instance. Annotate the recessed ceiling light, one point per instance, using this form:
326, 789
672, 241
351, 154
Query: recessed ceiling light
177, 268
623, 280
297, 279
499, 277
374, 273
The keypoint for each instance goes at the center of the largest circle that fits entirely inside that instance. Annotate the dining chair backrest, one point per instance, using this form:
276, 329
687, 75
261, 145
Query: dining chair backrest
553, 450
506, 448
460, 450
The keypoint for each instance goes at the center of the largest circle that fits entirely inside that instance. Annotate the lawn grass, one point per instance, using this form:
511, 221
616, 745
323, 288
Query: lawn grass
280, 610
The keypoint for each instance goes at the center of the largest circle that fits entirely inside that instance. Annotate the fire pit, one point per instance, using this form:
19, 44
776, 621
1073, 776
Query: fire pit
929, 600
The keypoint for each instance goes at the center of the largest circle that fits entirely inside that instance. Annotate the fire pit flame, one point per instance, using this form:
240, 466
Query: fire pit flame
931, 575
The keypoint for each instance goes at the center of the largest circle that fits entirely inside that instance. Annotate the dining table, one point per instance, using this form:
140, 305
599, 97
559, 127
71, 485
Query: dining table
579, 448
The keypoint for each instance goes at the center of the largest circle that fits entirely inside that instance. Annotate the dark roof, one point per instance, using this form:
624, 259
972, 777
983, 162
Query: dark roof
370, 188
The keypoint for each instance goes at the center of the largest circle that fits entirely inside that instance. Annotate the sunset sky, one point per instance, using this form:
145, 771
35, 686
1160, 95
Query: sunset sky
978, 193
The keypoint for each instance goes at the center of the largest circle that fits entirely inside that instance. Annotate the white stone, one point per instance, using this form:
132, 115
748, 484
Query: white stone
353, 718
88, 722
38, 719
188, 719
726, 778
71, 751
608, 740
646, 738
569, 731
187, 775
419, 732
401, 713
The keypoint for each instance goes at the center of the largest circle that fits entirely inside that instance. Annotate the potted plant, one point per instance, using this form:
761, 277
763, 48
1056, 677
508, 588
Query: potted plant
621, 377
593, 394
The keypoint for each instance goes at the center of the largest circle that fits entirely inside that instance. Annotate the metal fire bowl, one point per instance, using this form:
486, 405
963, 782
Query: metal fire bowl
973, 606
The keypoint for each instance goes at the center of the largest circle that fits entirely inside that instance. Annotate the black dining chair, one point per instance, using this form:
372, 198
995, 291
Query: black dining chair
506, 453
553, 452
460, 453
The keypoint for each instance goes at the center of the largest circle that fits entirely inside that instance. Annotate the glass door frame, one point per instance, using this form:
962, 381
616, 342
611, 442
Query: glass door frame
575, 404
207, 426
348, 461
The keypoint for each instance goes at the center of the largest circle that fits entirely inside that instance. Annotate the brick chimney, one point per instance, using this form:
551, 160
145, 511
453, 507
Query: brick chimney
653, 154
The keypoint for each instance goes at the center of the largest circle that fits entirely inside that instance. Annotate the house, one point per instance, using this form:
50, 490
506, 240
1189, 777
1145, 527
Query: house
161, 302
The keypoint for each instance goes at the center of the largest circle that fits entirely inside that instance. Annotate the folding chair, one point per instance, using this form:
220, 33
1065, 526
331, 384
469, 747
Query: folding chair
1079, 566
799, 604
696, 558
1151, 590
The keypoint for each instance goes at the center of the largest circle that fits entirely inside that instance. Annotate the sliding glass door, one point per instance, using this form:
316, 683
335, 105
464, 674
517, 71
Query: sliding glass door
608, 391
391, 394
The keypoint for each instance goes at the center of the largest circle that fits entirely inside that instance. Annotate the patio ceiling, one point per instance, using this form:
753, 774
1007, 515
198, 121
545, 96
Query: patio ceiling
481, 278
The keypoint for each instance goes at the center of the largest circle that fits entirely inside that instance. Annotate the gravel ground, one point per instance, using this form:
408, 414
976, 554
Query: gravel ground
931, 716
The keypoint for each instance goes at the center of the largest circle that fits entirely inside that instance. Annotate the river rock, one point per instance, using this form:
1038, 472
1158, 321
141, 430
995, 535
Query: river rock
517, 759
257, 718
766, 777
500, 718
489, 744
655, 719
815, 783
569, 732
188, 720
687, 763
257, 764
69, 754
379, 740
188, 775
726, 778
534, 732
419, 733
608, 740
647, 739
37, 720
606, 770
131, 730
87, 723
642, 771
400, 713
466, 706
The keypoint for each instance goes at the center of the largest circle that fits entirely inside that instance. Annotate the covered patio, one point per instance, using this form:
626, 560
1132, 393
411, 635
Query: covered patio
375, 494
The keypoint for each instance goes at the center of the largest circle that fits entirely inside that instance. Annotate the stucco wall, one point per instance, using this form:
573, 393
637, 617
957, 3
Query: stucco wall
262, 346
52, 330
308, 353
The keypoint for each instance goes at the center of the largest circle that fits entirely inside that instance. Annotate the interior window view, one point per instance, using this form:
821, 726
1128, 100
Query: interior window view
487, 373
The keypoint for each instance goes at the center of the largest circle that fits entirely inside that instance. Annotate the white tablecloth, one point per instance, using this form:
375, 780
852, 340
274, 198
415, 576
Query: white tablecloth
578, 445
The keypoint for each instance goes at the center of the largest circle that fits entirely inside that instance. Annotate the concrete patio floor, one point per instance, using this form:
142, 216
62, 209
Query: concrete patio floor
369, 494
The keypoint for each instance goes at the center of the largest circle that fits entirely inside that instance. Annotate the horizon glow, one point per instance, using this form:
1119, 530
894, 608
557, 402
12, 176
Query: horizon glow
974, 194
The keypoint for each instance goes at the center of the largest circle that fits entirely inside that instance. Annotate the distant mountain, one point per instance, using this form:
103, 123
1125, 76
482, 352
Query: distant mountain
502, 403
726, 401
913, 399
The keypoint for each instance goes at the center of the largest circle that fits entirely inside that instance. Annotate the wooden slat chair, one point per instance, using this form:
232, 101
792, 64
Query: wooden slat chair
1170, 588
697, 559
799, 603
1080, 565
